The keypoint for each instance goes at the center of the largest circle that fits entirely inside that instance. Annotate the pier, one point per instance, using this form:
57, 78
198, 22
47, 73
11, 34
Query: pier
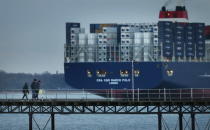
193, 103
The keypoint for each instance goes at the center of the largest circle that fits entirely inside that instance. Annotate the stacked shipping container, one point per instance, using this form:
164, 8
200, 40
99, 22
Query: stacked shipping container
135, 42
182, 40
165, 31
72, 32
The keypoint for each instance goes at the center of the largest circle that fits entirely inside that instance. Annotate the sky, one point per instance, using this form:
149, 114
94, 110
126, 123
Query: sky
32, 32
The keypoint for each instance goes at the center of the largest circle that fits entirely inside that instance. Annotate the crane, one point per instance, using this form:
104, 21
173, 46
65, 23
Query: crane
180, 11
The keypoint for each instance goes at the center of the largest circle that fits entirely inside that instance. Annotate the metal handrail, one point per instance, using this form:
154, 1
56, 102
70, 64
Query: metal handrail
114, 94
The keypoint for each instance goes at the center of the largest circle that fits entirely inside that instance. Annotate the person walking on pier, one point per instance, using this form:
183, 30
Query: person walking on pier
25, 91
37, 89
33, 87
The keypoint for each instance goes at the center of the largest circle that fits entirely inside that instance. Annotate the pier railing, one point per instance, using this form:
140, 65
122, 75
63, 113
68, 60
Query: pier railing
113, 94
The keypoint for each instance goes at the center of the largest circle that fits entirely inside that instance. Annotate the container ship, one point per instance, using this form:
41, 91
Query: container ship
170, 53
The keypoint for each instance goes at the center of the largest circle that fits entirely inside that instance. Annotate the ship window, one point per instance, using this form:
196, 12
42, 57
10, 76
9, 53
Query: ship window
72, 31
104, 47
89, 73
99, 47
101, 73
124, 73
127, 41
127, 35
136, 73
170, 72
127, 30
100, 41
122, 30
123, 35
126, 47
105, 42
104, 30
104, 36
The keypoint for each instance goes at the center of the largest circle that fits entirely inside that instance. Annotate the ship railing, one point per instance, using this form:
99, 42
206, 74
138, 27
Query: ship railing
112, 94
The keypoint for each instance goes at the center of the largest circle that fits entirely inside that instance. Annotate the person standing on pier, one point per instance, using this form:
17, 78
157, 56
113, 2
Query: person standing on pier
33, 87
25, 91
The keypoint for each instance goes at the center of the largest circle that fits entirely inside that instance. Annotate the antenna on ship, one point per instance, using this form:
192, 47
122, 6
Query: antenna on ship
178, 14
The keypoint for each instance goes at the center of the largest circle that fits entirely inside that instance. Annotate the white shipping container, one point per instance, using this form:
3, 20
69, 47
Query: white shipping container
82, 54
102, 47
74, 36
100, 41
81, 59
90, 54
74, 41
127, 41
82, 36
110, 29
138, 41
127, 35
90, 49
137, 59
75, 30
92, 36
107, 35
110, 35
82, 30
147, 41
92, 41
137, 49
82, 42
138, 35
129, 29
147, 35
90, 60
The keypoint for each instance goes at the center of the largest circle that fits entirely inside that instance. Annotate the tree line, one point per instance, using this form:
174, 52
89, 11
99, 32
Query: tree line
17, 80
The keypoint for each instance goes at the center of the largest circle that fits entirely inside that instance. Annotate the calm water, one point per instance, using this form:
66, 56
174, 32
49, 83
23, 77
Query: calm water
93, 121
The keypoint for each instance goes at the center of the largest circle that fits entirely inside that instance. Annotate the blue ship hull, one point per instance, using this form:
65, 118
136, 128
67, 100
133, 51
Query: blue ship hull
151, 75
